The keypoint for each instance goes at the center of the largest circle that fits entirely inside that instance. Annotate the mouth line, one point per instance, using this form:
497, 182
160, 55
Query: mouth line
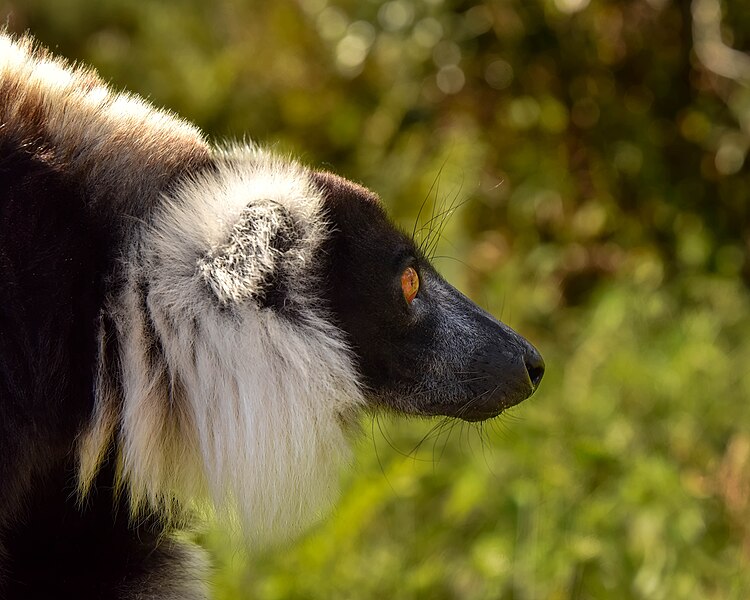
480, 405
478, 418
458, 411
473, 410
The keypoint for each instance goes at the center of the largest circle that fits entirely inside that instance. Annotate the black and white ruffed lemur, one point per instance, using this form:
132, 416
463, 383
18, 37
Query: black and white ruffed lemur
183, 325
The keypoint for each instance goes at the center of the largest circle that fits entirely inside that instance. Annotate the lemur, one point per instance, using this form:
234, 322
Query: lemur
184, 326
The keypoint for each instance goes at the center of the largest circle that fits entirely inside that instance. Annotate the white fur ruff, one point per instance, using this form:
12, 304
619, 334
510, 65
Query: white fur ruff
210, 399
248, 411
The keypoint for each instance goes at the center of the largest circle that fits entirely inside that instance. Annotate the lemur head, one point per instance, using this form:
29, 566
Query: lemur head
265, 305
421, 346
418, 345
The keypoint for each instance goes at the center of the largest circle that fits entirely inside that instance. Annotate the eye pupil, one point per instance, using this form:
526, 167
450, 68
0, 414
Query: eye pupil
409, 284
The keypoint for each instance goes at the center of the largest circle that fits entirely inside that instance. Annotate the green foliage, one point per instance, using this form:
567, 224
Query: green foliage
594, 153
627, 477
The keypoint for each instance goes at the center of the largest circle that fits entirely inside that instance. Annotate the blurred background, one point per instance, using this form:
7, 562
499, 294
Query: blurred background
591, 157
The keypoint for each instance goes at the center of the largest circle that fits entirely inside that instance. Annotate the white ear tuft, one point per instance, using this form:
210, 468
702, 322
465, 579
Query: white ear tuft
246, 264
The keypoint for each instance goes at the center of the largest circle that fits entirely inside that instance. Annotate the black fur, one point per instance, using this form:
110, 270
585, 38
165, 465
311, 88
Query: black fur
59, 549
52, 265
51, 291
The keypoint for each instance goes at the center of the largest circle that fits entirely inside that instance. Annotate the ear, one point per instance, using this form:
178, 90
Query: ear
250, 263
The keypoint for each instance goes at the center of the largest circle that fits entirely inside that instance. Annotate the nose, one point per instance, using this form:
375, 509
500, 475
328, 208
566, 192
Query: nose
534, 366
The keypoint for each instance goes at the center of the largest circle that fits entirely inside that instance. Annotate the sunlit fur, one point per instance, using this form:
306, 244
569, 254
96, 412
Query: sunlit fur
122, 149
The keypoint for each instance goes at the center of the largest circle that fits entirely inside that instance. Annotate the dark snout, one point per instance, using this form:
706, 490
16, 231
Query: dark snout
504, 374
503, 369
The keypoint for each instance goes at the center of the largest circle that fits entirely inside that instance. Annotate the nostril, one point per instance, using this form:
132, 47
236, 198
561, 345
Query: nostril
534, 366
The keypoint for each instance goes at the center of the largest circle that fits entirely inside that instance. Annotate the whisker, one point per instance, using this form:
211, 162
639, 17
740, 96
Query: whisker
444, 213
389, 441
435, 430
452, 423
486, 445
445, 217
375, 447
427, 197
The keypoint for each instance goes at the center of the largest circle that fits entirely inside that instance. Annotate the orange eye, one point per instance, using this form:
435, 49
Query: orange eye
409, 284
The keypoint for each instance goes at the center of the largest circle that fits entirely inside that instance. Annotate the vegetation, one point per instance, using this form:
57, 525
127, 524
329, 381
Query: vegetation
594, 154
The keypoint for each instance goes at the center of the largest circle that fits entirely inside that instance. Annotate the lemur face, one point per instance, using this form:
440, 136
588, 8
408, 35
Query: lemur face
422, 347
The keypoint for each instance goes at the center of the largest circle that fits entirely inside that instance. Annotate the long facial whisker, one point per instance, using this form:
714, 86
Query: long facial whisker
455, 204
474, 401
388, 439
484, 438
433, 185
436, 430
442, 216
375, 447
452, 424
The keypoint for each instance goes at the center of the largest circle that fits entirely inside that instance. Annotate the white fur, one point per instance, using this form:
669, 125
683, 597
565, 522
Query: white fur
258, 426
